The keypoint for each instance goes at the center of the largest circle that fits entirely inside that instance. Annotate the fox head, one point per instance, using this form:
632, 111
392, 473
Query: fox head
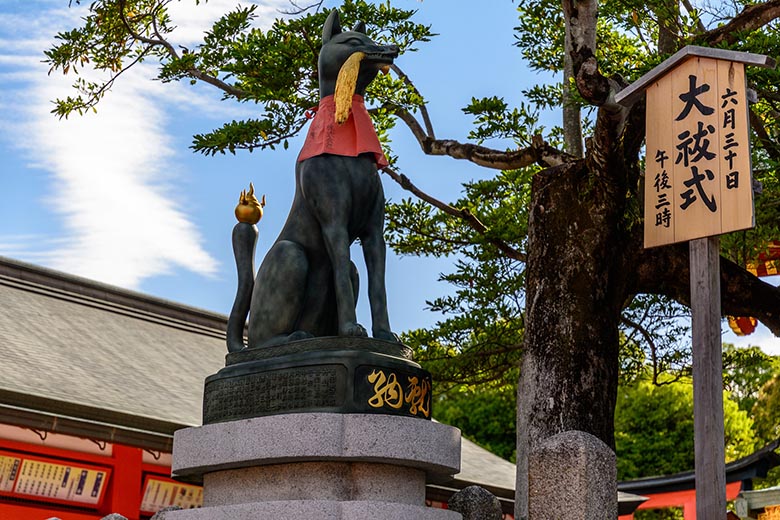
338, 46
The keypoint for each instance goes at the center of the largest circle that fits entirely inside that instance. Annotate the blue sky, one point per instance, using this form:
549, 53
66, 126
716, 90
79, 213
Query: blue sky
119, 197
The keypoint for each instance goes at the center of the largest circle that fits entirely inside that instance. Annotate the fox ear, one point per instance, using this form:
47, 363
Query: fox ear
360, 27
332, 27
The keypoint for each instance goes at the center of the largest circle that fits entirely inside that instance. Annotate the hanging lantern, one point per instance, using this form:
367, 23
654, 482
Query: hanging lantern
767, 263
742, 325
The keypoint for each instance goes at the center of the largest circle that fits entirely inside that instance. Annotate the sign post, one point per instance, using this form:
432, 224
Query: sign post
698, 186
708, 428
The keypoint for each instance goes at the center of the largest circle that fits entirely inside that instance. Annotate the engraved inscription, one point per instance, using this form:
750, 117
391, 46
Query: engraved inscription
382, 389
274, 391
418, 396
387, 390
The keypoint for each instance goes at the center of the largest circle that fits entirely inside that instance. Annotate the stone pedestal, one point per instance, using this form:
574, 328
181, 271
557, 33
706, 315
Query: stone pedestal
316, 465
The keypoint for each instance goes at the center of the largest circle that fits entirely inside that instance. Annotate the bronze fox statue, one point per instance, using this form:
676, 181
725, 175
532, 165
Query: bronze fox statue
307, 285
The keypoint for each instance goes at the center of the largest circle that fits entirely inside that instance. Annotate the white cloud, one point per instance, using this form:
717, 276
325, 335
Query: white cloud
192, 23
110, 186
111, 174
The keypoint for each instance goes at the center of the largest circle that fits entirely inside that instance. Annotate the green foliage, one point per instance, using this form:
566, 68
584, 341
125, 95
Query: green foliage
252, 133
667, 513
766, 410
540, 34
104, 43
653, 420
479, 338
766, 416
654, 340
753, 379
485, 415
494, 120
654, 429
743, 247
772, 479
277, 68
745, 371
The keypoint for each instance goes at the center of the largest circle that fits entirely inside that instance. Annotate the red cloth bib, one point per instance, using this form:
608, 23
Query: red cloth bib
355, 136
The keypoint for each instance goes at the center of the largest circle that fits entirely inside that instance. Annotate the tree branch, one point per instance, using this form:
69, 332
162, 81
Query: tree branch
650, 342
539, 152
750, 19
699, 24
463, 214
665, 270
171, 50
411, 121
766, 141
137, 36
431, 236
96, 95
212, 149
581, 17
299, 9
216, 82
423, 108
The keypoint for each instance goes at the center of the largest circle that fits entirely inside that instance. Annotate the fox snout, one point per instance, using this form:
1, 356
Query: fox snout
382, 54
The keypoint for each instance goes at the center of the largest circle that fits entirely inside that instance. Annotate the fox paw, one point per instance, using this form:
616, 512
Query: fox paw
353, 329
386, 335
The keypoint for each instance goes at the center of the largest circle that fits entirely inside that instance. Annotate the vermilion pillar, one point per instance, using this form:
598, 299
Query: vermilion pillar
124, 492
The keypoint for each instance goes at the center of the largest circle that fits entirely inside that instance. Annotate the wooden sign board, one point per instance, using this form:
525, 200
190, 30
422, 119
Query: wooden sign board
38, 478
160, 492
697, 171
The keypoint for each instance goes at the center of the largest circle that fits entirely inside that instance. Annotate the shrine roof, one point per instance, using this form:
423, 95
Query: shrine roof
757, 464
81, 355
634, 92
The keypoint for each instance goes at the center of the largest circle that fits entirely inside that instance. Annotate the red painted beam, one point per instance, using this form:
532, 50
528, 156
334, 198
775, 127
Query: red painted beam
685, 499
41, 512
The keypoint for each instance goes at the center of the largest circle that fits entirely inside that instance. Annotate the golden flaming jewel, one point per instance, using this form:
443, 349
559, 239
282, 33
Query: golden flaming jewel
345, 85
249, 209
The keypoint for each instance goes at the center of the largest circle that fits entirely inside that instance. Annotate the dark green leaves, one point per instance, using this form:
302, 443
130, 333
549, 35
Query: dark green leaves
494, 120
479, 336
277, 68
251, 133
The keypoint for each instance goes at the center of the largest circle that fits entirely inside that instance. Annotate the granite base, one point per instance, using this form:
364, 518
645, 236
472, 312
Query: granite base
316, 465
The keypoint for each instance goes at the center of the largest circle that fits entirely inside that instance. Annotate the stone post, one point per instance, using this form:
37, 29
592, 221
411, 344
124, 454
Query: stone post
572, 475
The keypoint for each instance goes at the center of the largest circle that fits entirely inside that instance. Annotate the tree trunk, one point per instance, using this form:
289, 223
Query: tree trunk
575, 291
572, 120
668, 15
